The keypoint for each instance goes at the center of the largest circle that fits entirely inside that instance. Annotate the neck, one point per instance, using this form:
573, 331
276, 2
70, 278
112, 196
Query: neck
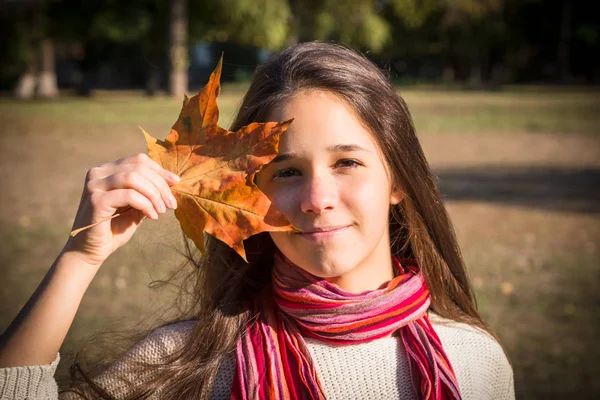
368, 275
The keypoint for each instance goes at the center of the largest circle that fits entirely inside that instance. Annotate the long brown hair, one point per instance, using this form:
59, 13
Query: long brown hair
221, 282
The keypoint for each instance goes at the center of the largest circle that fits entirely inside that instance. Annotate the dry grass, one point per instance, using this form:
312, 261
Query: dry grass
525, 206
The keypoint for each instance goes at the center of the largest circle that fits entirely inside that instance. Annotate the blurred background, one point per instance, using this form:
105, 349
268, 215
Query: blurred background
505, 98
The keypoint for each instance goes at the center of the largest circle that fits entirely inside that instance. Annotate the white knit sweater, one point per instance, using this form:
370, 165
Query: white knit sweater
374, 370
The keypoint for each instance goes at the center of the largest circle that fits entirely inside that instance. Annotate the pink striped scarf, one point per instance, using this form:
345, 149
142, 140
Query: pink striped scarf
273, 361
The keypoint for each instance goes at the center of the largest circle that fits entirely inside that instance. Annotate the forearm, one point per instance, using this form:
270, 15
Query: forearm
36, 334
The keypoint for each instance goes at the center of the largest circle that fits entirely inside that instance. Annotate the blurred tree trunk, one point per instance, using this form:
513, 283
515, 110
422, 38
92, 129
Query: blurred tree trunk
27, 81
47, 87
39, 77
178, 48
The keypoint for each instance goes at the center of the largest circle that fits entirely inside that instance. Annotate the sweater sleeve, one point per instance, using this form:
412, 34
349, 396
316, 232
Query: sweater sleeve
154, 349
37, 382
29, 382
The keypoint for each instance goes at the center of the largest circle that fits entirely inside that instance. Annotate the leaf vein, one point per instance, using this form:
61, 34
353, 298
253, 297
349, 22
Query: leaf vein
196, 198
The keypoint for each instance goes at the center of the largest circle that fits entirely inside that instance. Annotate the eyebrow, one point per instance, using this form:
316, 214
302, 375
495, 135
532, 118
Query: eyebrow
338, 148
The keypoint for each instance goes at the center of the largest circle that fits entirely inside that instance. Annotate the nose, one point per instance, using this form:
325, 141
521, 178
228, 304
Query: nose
319, 194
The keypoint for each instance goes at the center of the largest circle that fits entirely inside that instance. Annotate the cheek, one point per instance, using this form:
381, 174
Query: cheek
283, 199
281, 196
368, 196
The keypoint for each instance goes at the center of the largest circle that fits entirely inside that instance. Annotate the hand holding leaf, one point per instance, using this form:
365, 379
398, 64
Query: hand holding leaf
217, 194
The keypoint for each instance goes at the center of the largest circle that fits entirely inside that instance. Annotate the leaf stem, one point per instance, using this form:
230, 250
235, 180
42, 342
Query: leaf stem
76, 231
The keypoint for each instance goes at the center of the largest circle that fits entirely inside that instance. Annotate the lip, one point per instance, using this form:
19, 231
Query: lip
325, 233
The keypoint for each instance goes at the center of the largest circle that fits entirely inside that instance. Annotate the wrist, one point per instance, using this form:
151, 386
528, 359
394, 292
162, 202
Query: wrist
75, 259
73, 251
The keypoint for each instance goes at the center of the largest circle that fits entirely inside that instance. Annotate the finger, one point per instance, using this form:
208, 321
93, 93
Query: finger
157, 180
134, 179
144, 159
113, 167
112, 200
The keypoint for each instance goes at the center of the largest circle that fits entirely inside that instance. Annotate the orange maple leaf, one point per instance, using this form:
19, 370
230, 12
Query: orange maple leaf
216, 193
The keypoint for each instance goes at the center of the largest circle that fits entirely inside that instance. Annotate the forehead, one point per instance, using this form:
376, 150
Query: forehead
321, 120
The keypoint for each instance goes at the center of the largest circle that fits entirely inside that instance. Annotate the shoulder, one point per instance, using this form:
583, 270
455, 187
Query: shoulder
173, 330
453, 333
163, 341
479, 362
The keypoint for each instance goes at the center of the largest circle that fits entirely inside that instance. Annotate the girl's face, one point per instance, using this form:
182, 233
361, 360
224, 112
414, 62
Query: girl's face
330, 181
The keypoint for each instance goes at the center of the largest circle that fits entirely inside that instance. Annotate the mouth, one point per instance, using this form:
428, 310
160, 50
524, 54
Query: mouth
322, 233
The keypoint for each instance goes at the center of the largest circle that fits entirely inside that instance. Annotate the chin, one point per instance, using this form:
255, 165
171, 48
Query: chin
325, 264
325, 271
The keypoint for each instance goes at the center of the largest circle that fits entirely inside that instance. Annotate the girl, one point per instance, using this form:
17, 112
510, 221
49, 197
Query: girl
370, 299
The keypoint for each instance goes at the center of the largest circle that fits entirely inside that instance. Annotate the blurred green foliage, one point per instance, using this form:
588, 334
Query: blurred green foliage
261, 23
498, 41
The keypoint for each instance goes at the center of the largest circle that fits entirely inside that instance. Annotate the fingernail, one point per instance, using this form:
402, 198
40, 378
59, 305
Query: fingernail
175, 177
163, 207
172, 201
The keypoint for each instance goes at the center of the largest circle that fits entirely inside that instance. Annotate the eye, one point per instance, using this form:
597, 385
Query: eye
284, 173
348, 163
